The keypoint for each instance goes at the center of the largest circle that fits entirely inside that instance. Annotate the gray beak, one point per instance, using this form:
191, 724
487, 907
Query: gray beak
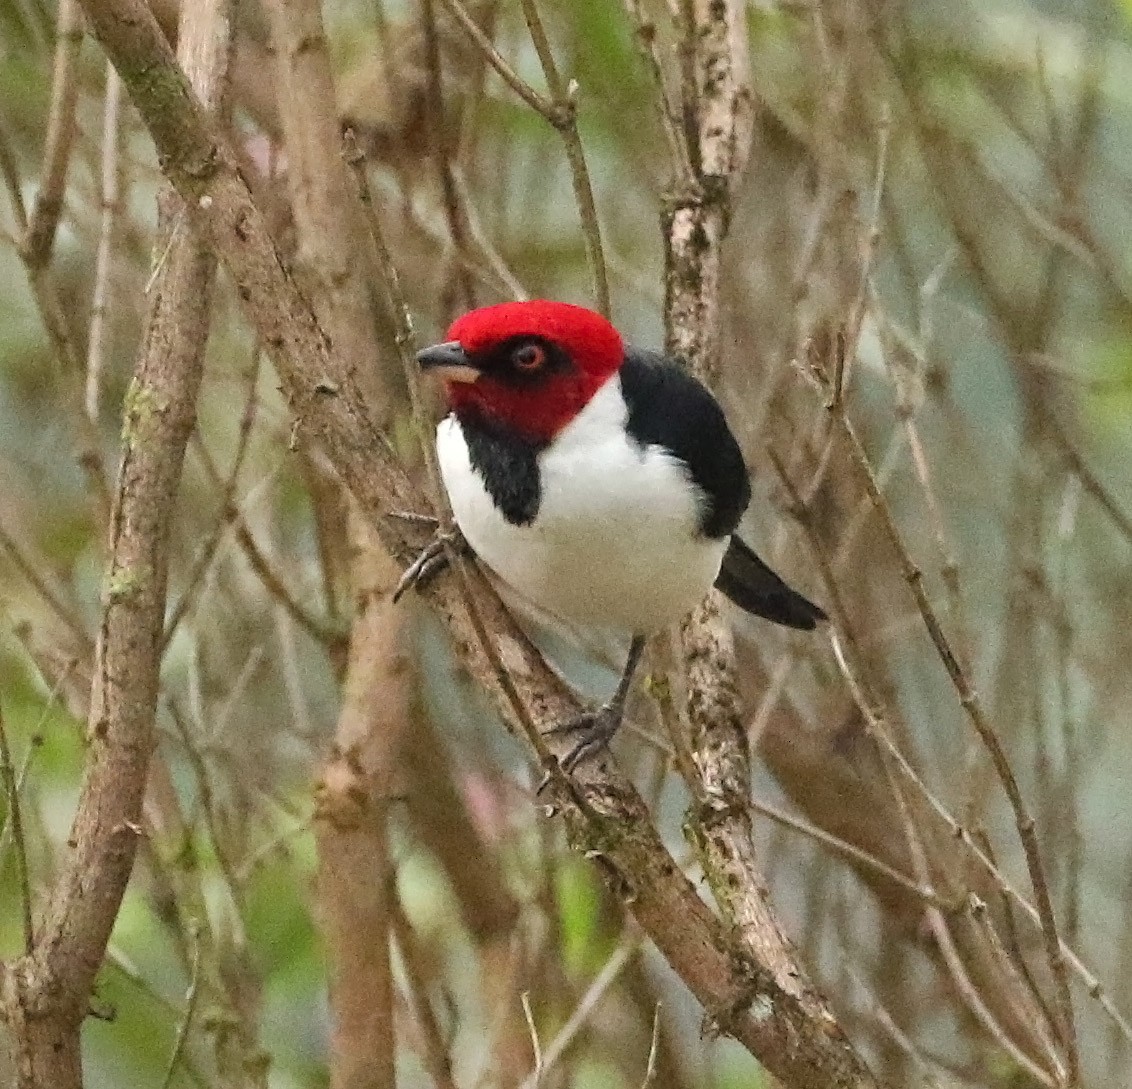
448, 361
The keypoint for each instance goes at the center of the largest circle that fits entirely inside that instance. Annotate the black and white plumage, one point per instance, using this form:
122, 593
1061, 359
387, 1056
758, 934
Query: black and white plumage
600, 483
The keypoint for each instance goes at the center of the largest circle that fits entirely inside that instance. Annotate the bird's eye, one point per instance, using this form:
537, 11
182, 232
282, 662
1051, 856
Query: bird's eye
529, 357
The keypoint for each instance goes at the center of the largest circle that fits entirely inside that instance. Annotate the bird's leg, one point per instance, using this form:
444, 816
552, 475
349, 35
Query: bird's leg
595, 729
414, 518
431, 560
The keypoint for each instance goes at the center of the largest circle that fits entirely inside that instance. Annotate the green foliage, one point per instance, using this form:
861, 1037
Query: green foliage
586, 942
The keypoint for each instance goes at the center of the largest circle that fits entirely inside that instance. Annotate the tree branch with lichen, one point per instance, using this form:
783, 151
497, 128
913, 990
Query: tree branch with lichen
717, 124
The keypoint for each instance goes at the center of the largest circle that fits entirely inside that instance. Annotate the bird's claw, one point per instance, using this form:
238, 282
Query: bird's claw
432, 559
595, 729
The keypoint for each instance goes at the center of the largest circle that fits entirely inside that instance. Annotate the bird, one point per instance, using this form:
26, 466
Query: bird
598, 482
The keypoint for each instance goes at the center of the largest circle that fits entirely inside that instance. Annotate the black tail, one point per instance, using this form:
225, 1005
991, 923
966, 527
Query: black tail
753, 586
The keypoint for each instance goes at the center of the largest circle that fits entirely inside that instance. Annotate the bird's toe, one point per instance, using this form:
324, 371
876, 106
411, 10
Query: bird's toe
431, 560
592, 732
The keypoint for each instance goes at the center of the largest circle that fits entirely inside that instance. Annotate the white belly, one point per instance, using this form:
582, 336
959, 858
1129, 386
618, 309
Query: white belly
615, 547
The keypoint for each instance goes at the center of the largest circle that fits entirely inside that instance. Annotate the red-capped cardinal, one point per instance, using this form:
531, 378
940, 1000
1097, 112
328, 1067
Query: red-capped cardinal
598, 481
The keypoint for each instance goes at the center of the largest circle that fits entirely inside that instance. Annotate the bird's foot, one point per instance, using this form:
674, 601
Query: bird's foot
431, 560
593, 730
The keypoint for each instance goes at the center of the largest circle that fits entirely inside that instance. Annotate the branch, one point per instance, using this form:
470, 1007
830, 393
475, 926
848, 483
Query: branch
355, 880
55, 981
717, 118
111, 207
560, 111
39, 237
12, 790
355, 884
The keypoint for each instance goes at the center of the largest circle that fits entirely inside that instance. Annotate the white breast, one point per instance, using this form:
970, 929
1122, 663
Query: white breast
615, 547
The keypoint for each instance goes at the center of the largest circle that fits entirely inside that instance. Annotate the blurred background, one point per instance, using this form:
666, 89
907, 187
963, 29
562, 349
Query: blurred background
939, 199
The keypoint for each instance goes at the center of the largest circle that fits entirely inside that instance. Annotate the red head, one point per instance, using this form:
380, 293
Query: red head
531, 366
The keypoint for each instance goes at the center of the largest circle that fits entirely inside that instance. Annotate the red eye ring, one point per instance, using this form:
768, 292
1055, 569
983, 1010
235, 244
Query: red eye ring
529, 357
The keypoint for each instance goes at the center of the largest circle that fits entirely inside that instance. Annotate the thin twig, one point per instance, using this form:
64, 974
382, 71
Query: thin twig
560, 112
186, 1020
441, 153
971, 703
1010, 922
421, 218
129, 971
10, 171
496, 264
436, 1060
949, 565
645, 32
404, 333
542, 106
38, 237
253, 860
35, 743
274, 583
594, 993
1071, 780
39, 233
1087, 977
17, 822
49, 594
896, 1033
971, 997
227, 507
863, 858
100, 300
565, 119
536, 1046
868, 250
848, 656
1093, 484
654, 1050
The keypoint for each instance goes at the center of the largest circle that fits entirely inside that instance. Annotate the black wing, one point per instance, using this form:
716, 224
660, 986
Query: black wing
753, 586
670, 408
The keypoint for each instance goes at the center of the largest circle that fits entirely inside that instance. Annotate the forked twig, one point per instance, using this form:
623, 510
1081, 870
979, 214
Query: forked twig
560, 111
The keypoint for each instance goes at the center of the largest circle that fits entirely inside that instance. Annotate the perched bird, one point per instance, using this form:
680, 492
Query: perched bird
599, 482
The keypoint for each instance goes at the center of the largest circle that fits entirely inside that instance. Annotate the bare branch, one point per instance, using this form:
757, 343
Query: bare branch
435, 1057
56, 979
971, 703
184, 1023
561, 112
100, 302
716, 119
39, 235
12, 789
595, 992
565, 119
